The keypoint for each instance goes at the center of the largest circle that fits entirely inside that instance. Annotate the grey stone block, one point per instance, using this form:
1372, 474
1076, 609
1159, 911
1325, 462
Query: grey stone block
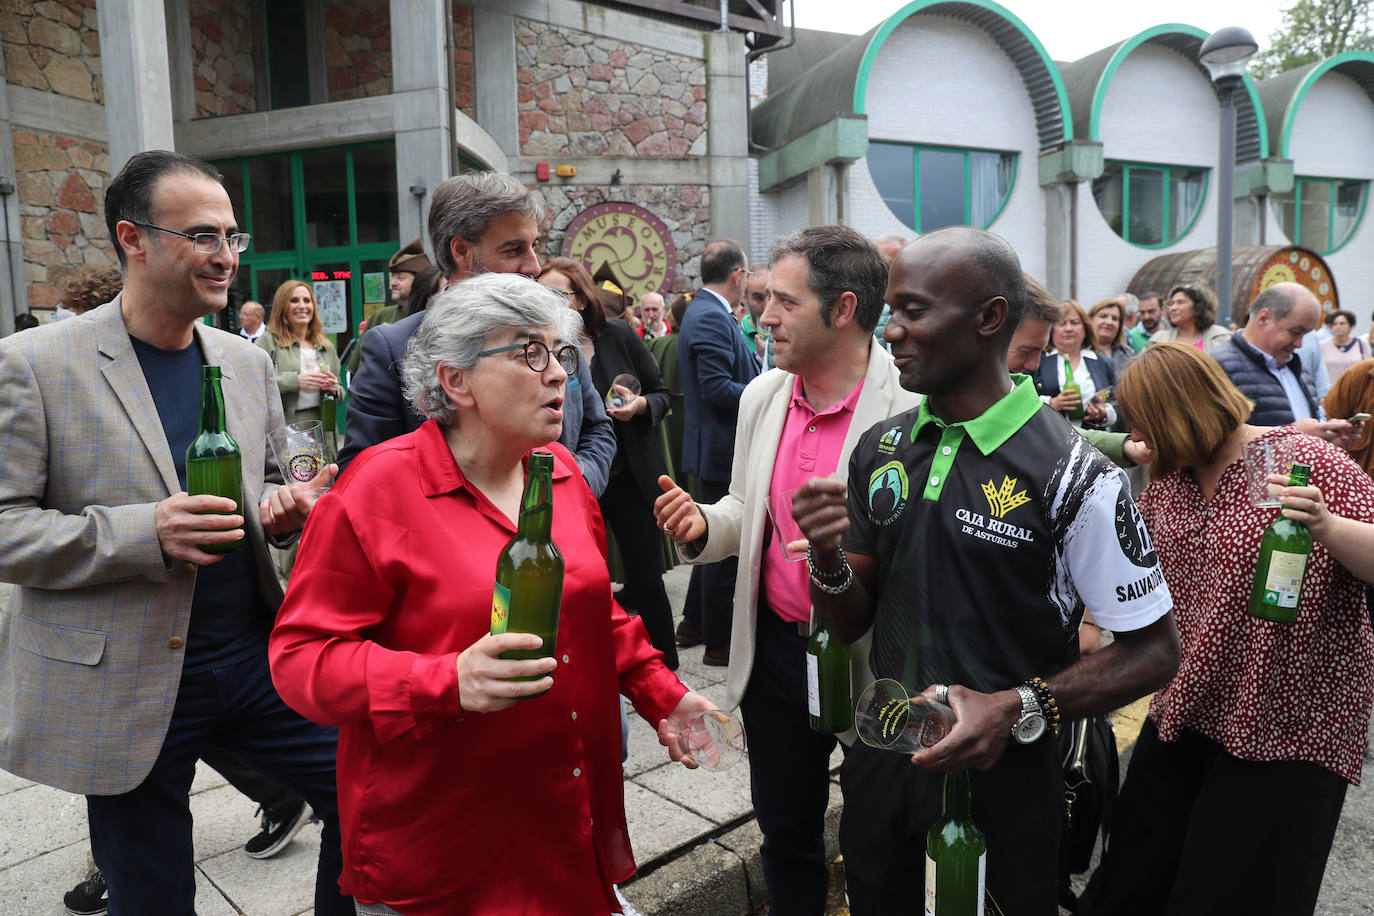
281, 886
658, 826
38, 820
707, 881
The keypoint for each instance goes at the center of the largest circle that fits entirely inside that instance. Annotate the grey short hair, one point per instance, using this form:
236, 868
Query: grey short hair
464, 204
461, 319
1130, 303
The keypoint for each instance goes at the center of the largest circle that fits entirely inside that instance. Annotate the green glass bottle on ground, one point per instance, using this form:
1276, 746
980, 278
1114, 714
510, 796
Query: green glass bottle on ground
828, 695
956, 856
214, 466
528, 593
1284, 551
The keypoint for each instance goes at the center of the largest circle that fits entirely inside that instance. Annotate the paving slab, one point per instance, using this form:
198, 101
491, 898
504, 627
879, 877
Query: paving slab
659, 826
281, 886
37, 821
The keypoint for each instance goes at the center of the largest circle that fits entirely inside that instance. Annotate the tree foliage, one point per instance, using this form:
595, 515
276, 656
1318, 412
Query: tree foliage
1313, 30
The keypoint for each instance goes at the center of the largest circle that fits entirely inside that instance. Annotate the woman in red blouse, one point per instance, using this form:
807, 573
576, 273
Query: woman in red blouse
455, 798
1236, 783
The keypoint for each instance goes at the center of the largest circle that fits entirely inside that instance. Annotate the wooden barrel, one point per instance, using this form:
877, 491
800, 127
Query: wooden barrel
1254, 268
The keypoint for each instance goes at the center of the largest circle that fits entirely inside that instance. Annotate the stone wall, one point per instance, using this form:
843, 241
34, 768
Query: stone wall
464, 74
357, 48
61, 208
684, 209
222, 36
53, 45
584, 95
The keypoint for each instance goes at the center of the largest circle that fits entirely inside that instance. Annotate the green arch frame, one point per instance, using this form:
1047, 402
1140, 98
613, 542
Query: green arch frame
890, 25
1135, 41
1290, 112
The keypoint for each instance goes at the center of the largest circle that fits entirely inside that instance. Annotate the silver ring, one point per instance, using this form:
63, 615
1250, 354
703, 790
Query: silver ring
942, 693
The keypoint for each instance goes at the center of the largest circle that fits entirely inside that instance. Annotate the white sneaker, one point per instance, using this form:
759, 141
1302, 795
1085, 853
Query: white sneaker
626, 907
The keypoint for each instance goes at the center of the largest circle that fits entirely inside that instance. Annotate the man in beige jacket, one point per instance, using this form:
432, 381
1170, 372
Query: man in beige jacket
797, 421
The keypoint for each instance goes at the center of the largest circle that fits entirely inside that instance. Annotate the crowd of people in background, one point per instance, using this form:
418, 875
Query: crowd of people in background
939, 430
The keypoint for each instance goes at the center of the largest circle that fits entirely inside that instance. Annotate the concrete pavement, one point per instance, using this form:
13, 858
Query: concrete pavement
693, 835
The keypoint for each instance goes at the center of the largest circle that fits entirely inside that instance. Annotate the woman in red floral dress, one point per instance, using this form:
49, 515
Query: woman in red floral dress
1236, 783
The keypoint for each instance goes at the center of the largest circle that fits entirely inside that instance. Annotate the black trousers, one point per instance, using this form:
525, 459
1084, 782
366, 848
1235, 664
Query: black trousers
711, 590
1198, 831
890, 804
631, 517
789, 769
270, 795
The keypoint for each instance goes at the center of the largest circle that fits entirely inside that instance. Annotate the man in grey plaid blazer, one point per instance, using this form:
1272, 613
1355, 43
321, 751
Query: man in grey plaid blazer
126, 648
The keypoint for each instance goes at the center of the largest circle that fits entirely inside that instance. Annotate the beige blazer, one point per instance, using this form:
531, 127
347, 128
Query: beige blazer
92, 639
736, 523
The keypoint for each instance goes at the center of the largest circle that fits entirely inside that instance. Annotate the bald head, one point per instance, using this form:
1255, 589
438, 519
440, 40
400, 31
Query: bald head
990, 267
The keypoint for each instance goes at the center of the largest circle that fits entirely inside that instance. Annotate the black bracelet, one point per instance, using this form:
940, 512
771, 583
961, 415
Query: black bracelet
831, 575
1048, 705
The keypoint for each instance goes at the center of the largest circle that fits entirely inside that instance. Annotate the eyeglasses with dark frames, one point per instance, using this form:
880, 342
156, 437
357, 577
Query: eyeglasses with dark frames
204, 242
537, 355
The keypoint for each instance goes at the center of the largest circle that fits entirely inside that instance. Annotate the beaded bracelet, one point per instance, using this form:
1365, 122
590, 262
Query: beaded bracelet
1048, 705
843, 577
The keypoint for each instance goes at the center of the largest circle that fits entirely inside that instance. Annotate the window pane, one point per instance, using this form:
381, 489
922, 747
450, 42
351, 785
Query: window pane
326, 199
1185, 199
1314, 214
286, 53
990, 175
233, 186
1107, 192
374, 194
942, 189
1145, 202
270, 189
1349, 203
894, 174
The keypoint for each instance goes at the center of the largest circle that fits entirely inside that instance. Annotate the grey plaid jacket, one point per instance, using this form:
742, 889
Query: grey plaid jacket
92, 640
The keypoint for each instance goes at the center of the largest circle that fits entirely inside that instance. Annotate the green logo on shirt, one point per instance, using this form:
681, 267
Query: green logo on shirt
888, 443
888, 489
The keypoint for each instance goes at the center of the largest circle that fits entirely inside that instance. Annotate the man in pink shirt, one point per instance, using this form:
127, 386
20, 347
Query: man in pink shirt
797, 421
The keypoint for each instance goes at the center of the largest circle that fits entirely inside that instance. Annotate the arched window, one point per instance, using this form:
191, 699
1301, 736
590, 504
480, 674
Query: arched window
1152, 206
1321, 213
930, 187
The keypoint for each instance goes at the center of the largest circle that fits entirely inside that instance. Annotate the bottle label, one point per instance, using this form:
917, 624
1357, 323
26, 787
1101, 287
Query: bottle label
500, 608
813, 685
1283, 582
930, 886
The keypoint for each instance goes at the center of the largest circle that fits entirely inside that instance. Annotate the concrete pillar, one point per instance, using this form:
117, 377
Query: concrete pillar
138, 95
727, 135
180, 60
493, 58
423, 106
821, 196
1059, 236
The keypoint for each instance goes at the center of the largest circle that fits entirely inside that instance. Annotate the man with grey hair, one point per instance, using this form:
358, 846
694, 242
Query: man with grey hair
1261, 361
251, 325
481, 222
832, 381
652, 308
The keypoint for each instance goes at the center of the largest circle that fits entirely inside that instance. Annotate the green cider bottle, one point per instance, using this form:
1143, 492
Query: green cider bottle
214, 466
1076, 412
956, 856
828, 695
1284, 551
528, 593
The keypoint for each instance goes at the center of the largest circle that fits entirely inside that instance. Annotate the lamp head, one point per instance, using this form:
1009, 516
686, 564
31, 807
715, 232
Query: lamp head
1226, 51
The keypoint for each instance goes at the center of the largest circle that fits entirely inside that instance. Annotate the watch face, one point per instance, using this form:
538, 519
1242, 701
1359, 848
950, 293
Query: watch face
1029, 729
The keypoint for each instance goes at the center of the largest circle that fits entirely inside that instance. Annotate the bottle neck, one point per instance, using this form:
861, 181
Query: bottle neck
536, 505
1299, 475
958, 799
211, 401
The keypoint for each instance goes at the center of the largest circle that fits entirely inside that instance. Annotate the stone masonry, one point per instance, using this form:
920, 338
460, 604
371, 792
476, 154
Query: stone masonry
684, 209
357, 48
583, 95
222, 36
464, 72
62, 191
53, 46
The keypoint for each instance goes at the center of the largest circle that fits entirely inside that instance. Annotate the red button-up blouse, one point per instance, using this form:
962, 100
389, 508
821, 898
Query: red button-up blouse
445, 811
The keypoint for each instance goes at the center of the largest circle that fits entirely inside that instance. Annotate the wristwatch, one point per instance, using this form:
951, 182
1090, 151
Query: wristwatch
1031, 724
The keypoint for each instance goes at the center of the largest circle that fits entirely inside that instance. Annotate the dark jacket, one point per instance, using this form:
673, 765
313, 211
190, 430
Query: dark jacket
620, 351
378, 411
1101, 368
716, 365
1244, 364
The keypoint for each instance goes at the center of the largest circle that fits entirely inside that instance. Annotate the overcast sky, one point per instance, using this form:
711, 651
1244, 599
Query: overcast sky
1070, 29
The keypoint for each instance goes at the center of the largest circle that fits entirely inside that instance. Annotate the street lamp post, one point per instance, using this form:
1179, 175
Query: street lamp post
1224, 54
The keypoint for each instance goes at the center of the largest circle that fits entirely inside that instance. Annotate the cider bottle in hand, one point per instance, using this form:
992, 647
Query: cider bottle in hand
214, 466
1284, 551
